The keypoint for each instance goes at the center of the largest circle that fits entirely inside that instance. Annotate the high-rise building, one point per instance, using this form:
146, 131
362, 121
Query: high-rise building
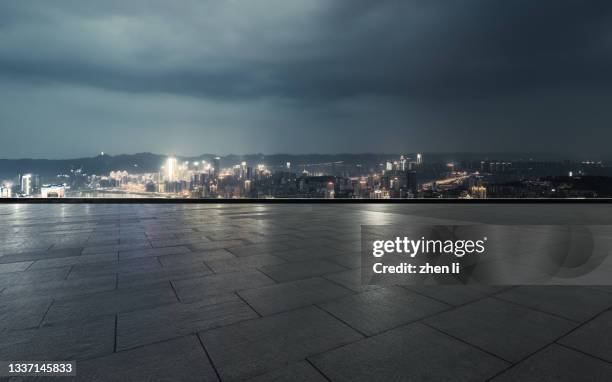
35, 184
330, 192
171, 170
412, 182
419, 159
243, 170
403, 163
216, 167
26, 184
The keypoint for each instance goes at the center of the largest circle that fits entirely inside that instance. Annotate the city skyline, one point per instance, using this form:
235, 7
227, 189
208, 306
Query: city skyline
559, 155
306, 76
411, 176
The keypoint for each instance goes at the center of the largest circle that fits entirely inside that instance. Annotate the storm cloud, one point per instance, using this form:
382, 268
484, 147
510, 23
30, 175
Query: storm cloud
299, 76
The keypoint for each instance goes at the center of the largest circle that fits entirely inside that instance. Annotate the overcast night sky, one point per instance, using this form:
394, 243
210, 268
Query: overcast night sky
304, 76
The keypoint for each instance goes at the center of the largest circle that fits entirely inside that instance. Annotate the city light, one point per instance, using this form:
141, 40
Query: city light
171, 169
393, 177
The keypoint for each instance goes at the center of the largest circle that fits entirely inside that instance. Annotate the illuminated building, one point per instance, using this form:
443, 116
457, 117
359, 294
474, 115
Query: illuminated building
119, 177
171, 173
419, 159
380, 194
26, 184
494, 167
479, 192
5, 191
53, 191
404, 163
330, 192
288, 165
243, 170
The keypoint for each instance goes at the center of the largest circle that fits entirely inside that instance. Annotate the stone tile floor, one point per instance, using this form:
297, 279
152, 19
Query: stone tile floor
175, 292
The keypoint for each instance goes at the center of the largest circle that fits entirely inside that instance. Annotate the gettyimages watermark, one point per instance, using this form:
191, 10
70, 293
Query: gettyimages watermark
422, 246
487, 254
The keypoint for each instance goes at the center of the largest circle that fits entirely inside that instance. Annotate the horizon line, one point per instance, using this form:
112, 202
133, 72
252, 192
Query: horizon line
564, 155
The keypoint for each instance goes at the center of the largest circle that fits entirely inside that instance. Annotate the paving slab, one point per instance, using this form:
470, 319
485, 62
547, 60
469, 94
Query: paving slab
212, 245
300, 270
348, 260
309, 252
410, 353
456, 294
115, 248
558, 364
124, 255
15, 267
193, 258
23, 313
174, 242
295, 372
237, 264
112, 302
574, 303
74, 260
350, 279
154, 276
85, 340
59, 289
260, 346
140, 264
38, 255
199, 288
34, 276
277, 298
259, 249
594, 337
182, 359
169, 321
507, 330
382, 309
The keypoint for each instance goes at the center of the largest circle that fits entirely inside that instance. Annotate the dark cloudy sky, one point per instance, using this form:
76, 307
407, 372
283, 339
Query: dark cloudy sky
296, 76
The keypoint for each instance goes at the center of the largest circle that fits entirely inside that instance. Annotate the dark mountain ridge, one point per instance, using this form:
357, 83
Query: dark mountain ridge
149, 162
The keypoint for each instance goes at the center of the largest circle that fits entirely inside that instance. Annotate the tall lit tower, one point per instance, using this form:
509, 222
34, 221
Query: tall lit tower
243, 170
419, 159
171, 170
330, 192
216, 167
26, 184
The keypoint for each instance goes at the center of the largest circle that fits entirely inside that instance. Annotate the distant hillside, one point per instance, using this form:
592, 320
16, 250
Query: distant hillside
148, 162
101, 164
